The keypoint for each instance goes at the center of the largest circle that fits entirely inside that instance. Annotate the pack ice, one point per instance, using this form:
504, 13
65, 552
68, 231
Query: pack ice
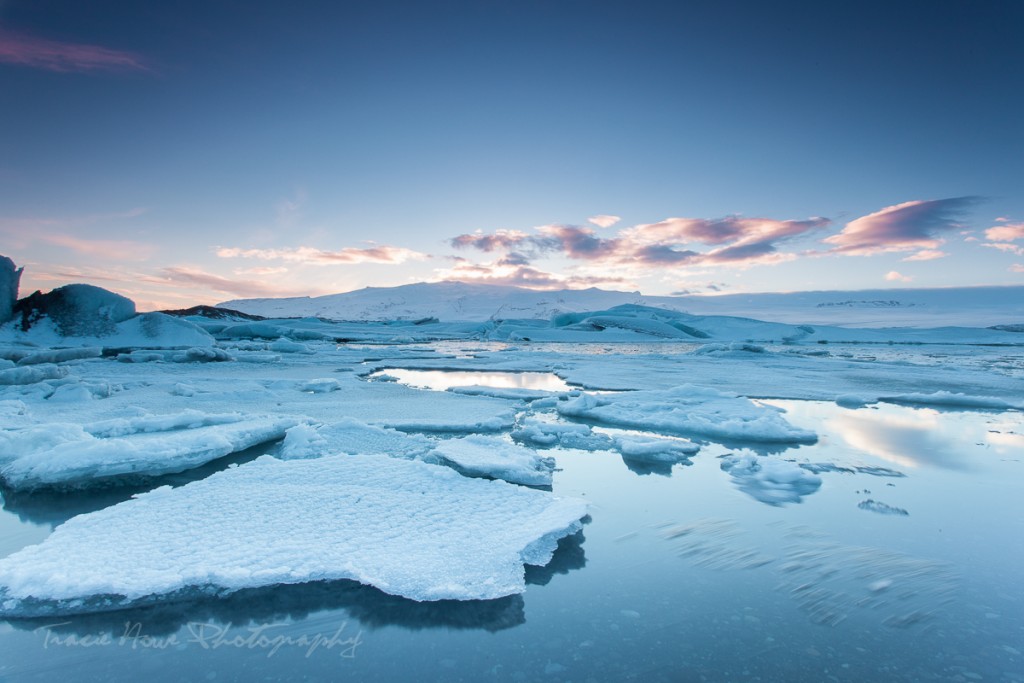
409, 528
689, 410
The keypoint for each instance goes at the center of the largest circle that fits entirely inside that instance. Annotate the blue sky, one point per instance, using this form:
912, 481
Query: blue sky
200, 151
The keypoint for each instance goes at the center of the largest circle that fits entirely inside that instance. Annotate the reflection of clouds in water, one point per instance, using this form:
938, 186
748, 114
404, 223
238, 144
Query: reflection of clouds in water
1005, 443
770, 480
441, 380
910, 438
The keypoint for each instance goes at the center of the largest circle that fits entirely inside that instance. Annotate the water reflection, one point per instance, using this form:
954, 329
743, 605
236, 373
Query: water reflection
910, 438
441, 380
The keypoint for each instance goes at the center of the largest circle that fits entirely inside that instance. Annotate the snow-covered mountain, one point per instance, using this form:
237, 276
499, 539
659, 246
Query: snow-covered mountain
450, 301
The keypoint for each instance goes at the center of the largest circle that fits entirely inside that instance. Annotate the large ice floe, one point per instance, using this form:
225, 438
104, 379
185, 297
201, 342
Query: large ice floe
408, 528
688, 410
72, 455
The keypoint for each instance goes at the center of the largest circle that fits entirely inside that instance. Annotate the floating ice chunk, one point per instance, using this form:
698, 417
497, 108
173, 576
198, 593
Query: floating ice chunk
61, 355
567, 435
352, 437
285, 345
881, 508
321, 385
770, 480
855, 401
953, 400
158, 331
31, 375
688, 409
411, 529
654, 450
201, 354
82, 391
70, 455
486, 456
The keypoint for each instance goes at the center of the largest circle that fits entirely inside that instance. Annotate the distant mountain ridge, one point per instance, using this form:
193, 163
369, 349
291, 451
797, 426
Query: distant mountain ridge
457, 301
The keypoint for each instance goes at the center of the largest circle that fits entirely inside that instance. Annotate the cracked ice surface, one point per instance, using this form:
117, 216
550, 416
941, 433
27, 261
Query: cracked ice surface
408, 528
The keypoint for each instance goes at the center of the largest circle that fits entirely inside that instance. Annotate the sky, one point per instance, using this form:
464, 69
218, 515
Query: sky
200, 151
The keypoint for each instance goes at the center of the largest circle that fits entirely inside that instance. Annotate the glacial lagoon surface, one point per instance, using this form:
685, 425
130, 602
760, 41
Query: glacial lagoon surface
683, 573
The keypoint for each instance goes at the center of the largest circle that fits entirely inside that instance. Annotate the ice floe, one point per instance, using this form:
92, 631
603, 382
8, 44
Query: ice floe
488, 456
408, 528
72, 455
688, 410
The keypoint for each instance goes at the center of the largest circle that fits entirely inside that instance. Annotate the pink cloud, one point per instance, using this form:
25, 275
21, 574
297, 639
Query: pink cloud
894, 276
603, 220
320, 257
914, 225
39, 53
1006, 233
926, 255
503, 273
1017, 268
120, 250
499, 239
185, 275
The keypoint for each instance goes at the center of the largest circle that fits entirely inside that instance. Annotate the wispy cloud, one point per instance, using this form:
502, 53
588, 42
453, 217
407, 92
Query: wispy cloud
117, 250
320, 257
604, 220
926, 255
39, 53
895, 276
503, 272
915, 225
1017, 268
186, 275
734, 241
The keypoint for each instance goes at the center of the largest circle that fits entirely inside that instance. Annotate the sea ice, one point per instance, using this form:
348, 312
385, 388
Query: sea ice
654, 450
411, 529
488, 456
70, 455
355, 438
688, 409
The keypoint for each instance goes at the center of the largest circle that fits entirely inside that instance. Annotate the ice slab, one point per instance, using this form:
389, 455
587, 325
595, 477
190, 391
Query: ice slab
654, 450
954, 400
408, 528
543, 434
70, 455
488, 456
355, 438
691, 410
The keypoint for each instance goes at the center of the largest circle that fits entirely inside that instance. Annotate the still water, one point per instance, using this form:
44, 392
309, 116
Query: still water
681, 575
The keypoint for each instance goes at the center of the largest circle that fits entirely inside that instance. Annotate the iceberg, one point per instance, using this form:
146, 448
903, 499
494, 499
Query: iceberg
408, 528
690, 410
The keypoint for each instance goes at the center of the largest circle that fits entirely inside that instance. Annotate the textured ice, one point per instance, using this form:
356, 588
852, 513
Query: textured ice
61, 355
654, 450
285, 345
70, 455
355, 438
512, 393
543, 434
769, 479
31, 375
411, 529
487, 456
689, 410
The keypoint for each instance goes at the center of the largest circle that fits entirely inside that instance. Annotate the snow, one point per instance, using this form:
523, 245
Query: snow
688, 410
770, 480
61, 355
485, 456
453, 301
31, 375
410, 529
545, 434
72, 455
